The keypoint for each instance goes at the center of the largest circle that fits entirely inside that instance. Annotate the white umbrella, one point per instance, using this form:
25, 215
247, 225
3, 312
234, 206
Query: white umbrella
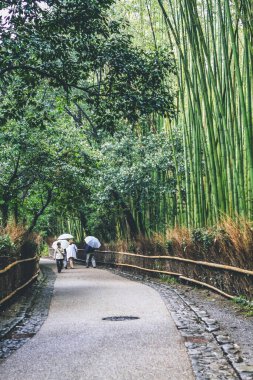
92, 241
65, 236
64, 244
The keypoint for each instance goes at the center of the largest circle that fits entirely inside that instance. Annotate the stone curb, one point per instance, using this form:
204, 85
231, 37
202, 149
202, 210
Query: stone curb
230, 349
213, 355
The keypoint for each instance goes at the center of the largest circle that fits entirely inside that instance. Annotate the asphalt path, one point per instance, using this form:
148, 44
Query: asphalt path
75, 343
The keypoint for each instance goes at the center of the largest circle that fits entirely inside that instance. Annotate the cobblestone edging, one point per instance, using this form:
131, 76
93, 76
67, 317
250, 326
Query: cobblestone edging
213, 354
21, 320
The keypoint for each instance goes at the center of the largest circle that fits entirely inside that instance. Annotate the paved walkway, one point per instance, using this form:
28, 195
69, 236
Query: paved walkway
75, 343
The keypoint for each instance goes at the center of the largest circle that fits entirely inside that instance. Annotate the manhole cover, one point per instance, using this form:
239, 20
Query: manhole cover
120, 318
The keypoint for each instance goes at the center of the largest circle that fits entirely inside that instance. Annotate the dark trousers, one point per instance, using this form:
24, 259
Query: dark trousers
59, 263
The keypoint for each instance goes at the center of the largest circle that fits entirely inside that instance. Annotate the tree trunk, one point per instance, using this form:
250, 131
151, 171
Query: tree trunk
5, 213
40, 212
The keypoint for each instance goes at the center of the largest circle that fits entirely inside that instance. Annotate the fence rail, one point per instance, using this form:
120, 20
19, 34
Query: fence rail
227, 280
16, 276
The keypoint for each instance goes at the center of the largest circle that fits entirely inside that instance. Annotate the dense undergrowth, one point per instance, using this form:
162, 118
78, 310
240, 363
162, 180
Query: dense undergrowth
229, 243
16, 243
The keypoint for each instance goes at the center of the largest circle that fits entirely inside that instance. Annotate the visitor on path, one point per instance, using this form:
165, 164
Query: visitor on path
58, 256
89, 251
65, 260
71, 253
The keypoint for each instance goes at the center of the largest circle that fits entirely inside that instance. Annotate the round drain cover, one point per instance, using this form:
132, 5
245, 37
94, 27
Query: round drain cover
120, 318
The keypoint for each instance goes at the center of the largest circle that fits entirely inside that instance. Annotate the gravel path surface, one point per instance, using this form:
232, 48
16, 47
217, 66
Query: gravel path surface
76, 343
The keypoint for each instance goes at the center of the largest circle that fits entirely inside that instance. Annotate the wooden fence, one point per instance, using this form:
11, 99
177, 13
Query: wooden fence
16, 276
227, 280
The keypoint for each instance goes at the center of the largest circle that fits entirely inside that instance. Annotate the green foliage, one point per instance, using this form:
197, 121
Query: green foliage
98, 221
59, 44
170, 280
43, 250
129, 165
86, 99
246, 305
136, 84
7, 247
40, 166
70, 78
203, 238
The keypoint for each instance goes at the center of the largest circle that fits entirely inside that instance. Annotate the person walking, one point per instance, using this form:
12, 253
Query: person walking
71, 253
58, 256
89, 251
65, 260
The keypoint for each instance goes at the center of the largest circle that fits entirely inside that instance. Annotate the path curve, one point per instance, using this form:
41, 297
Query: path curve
76, 343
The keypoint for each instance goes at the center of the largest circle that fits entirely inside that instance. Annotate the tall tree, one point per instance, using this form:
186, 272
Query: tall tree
86, 59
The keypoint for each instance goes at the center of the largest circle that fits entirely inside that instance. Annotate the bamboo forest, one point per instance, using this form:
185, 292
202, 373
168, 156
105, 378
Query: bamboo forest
130, 120
126, 189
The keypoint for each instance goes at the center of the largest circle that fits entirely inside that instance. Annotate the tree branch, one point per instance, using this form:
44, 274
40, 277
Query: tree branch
45, 74
40, 212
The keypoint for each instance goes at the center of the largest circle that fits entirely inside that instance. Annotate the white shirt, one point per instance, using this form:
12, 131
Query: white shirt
58, 253
71, 251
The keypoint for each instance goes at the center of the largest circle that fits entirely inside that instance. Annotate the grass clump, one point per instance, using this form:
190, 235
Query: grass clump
246, 306
165, 278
